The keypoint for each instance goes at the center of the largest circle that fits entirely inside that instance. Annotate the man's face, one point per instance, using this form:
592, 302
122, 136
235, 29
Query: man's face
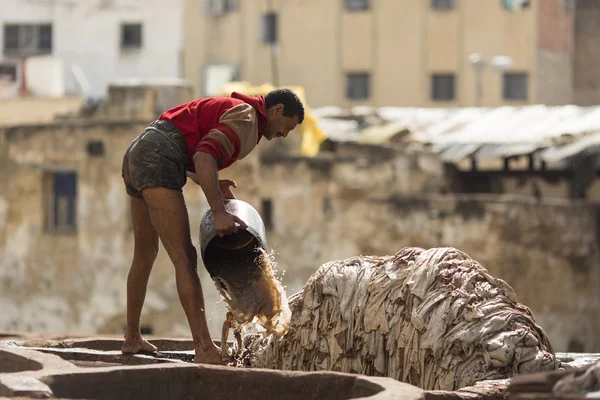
279, 126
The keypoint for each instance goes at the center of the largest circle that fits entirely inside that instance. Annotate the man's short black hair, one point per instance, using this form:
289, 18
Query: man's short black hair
292, 105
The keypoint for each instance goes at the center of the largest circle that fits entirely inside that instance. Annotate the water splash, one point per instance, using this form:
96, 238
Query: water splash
260, 303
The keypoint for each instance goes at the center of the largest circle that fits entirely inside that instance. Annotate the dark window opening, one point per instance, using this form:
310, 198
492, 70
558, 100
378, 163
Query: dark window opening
515, 86
95, 148
442, 87
45, 38
131, 36
358, 86
27, 39
61, 205
267, 213
570, 6
575, 346
269, 28
327, 206
146, 330
220, 7
443, 4
8, 72
357, 5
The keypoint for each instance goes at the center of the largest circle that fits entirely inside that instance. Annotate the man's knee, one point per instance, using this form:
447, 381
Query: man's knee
193, 257
146, 253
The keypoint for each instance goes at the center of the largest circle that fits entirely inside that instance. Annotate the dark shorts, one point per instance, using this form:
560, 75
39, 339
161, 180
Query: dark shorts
156, 158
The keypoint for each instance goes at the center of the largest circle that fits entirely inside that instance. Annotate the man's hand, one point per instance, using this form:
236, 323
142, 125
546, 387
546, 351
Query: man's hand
225, 223
193, 177
225, 187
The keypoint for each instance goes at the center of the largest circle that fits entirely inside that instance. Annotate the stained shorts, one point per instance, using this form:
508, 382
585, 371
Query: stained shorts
157, 157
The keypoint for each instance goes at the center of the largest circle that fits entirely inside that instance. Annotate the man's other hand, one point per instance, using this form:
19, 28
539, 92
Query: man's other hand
225, 187
226, 223
193, 177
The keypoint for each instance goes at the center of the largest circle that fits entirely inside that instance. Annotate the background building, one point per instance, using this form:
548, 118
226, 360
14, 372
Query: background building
587, 53
66, 241
386, 52
58, 47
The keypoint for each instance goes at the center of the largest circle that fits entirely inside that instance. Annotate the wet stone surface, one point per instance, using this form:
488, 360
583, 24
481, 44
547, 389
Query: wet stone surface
94, 368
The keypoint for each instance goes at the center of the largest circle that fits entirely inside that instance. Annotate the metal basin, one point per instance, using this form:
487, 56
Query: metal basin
230, 256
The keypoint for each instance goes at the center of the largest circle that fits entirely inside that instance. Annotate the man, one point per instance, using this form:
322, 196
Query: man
195, 139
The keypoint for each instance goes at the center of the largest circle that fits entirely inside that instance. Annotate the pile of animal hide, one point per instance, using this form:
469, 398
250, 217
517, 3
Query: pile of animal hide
432, 318
579, 384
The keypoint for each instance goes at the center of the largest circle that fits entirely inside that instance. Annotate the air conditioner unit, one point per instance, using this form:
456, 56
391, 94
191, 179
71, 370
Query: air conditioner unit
219, 7
515, 5
214, 7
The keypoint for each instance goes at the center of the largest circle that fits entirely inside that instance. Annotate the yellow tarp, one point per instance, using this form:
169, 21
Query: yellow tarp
312, 136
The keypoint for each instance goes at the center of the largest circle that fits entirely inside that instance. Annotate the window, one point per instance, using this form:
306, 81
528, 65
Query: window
267, 213
443, 4
354, 5
515, 86
219, 7
327, 206
269, 28
27, 39
61, 190
131, 36
357, 86
442, 87
8, 72
146, 330
95, 148
214, 76
569, 6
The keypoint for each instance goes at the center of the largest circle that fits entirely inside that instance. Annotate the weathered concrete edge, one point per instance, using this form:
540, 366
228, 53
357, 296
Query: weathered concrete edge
36, 383
390, 388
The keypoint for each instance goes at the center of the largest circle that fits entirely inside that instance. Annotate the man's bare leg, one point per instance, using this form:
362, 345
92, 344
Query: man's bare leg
170, 218
144, 255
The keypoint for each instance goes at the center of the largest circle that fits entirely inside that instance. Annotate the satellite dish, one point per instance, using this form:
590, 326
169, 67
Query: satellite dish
515, 5
476, 59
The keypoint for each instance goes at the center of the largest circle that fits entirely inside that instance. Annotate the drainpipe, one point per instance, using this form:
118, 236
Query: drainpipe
23, 84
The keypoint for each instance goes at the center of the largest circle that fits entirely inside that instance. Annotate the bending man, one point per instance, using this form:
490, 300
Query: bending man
196, 139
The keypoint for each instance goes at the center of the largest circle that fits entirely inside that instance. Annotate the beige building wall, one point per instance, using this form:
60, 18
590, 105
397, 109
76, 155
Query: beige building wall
555, 53
490, 30
400, 44
587, 53
27, 110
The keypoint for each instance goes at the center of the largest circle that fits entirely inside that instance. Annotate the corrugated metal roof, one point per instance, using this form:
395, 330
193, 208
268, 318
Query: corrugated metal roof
381, 134
559, 153
490, 132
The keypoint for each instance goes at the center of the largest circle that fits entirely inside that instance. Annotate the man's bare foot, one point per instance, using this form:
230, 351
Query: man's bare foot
212, 355
137, 345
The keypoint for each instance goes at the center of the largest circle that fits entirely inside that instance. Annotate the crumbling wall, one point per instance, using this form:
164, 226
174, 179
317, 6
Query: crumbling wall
73, 281
322, 209
547, 250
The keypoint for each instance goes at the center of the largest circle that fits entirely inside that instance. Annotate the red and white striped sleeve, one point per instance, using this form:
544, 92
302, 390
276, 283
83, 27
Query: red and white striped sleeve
234, 137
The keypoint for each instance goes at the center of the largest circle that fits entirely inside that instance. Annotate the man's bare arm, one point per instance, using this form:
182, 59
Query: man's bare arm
207, 176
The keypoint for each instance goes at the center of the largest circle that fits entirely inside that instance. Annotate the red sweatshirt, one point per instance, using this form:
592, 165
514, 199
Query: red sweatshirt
228, 128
